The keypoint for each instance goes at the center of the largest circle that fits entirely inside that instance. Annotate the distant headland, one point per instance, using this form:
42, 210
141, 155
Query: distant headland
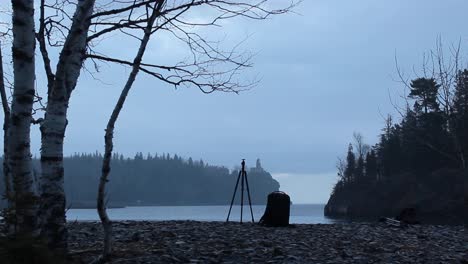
154, 179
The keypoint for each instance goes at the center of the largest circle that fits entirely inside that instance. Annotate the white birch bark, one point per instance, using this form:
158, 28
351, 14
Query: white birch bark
6, 171
54, 125
19, 154
108, 138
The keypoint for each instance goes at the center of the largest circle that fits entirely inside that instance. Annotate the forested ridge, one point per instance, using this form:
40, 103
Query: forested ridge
418, 162
158, 180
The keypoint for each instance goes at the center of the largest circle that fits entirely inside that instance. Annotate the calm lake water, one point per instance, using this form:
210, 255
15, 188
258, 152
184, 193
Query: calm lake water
300, 213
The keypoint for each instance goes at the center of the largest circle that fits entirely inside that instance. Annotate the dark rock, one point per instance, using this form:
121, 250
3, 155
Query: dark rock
136, 237
277, 252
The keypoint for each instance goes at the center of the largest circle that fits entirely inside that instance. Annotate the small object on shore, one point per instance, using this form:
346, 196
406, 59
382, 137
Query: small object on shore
277, 210
408, 216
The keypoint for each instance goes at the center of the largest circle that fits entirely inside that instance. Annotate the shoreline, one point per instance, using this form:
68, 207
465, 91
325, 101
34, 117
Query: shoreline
298, 213
220, 242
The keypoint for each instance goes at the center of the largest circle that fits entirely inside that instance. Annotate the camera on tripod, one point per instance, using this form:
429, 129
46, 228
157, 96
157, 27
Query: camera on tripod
244, 181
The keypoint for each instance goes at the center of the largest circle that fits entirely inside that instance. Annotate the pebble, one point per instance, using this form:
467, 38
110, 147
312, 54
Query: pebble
219, 242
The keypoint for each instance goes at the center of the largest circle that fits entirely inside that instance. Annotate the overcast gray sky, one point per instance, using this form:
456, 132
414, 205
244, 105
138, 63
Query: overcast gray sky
325, 73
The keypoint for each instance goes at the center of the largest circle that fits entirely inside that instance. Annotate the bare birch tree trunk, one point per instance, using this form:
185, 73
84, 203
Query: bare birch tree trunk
6, 171
26, 204
54, 125
108, 138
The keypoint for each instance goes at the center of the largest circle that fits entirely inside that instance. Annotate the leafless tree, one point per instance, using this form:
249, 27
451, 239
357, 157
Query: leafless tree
208, 68
77, 30
38, 209
26, 204
341, 167
153, 13
6, 121
53, 126
164, 16
360, 146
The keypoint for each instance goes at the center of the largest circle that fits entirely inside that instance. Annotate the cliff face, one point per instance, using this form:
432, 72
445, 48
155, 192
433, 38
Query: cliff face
437, 198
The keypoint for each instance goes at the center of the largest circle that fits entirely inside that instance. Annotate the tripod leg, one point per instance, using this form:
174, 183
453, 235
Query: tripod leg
233, 196
242, 194
248, 194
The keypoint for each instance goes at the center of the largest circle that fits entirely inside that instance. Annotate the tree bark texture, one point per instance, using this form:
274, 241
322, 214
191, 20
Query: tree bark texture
26, 204
6, 171
54, 125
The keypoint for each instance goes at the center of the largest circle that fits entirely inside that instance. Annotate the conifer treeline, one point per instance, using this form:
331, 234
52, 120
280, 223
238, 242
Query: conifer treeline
158, 180
418, 161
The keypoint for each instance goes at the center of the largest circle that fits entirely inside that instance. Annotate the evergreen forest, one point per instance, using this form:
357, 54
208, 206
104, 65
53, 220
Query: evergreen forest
418, 162
158, 180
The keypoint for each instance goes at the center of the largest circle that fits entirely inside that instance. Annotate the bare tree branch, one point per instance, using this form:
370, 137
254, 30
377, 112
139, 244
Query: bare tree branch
109, 145
40, 36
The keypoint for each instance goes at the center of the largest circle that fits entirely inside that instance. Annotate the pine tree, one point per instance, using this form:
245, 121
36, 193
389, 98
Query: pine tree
359, 172
460, 113
350, 164
371, 166
425, 91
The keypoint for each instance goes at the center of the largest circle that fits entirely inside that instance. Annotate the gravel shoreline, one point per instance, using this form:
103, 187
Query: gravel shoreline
219, 242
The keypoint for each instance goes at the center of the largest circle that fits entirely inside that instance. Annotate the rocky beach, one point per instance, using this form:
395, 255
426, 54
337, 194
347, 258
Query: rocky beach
219, 242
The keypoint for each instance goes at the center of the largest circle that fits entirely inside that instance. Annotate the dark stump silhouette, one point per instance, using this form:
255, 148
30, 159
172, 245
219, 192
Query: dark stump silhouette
277, 210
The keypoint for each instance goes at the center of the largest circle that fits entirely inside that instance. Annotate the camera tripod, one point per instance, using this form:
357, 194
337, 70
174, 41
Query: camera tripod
243, 177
